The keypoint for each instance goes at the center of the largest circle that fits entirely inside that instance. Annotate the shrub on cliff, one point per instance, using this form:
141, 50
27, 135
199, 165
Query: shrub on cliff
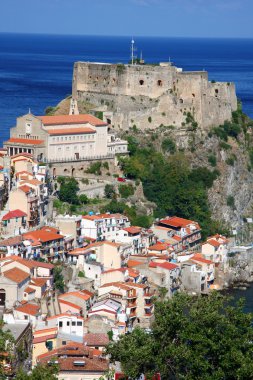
193, 338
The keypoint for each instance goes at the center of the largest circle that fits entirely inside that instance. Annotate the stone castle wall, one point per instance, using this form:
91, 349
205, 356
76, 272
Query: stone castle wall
135, 92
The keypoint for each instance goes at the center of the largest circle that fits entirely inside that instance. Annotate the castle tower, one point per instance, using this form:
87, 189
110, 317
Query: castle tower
73, 108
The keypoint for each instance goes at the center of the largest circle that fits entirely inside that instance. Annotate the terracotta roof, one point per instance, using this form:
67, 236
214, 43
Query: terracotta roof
71, 119
25, 141
83, 294
95, 339
16, 240
26, 189
29, 263
14, 214
39, 282
133, 230
199, 258
42, 235
69, 304
44, 331
134, 263
31, 181
165, 265
29, 290
213, 242
70, 131
158, 247
44, 338
177, 222
68, 355
29, 308
50, 229
99, 243
16, 275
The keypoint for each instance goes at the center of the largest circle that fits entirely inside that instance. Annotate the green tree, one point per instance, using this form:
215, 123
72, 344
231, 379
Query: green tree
68, 190
109, 191
83, 199
40, 372
58, 278
126, 190
168, 145
193, 338
6, 346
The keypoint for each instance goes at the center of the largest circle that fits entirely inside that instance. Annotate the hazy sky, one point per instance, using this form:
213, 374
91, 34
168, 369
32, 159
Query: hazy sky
193, 18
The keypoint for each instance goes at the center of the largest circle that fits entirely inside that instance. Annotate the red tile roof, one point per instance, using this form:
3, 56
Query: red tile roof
29, 308
96, 339
26, 189
70, 131
71, 119
44, 338
83, 294
158, 247
200, 258
133, 263
14, 214
166, 265
176, 222
29, 290
42, 235
213, 242
69, 304
38, 282
16, 275
15, 140
133, 230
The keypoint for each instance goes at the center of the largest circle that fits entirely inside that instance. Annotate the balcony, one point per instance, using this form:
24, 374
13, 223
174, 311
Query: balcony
148, 315
132, 305
149, 295
132, 315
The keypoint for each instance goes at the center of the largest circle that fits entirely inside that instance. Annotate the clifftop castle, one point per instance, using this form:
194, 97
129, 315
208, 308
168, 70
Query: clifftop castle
150, 95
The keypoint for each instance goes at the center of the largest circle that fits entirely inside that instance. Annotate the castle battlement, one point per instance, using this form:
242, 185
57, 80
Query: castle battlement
165, 92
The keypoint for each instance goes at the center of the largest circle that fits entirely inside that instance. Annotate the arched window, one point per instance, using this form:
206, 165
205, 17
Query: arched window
159, 83
141, 82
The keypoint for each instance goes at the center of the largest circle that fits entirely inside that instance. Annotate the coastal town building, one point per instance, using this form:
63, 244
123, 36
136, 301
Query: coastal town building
63, 138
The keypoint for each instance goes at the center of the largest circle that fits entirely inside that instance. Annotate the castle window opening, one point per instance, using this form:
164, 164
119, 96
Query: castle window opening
141, 82
65, 170
216, 91
181, 100
159, 83
193, 95
109, 121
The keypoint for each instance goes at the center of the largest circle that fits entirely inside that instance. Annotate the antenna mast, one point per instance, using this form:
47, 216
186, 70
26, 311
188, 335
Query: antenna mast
133, 49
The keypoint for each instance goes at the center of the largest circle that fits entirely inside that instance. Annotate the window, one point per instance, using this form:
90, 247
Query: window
60, 324
73, 323
64, 342
141, 82
79, 323
159, 83
68, 323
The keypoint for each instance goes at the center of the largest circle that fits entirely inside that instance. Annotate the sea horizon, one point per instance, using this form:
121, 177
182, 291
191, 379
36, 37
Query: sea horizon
36, 69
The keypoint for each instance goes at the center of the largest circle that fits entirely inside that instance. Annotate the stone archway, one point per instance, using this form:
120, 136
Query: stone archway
2, 297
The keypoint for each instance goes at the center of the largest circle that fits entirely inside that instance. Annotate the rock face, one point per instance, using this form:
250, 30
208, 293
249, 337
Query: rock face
147, 96
183, 106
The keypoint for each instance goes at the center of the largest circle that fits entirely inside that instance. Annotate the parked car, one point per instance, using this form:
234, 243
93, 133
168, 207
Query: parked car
121, 179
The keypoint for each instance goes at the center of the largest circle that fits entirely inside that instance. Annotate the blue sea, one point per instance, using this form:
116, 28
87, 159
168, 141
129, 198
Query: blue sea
36, 70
